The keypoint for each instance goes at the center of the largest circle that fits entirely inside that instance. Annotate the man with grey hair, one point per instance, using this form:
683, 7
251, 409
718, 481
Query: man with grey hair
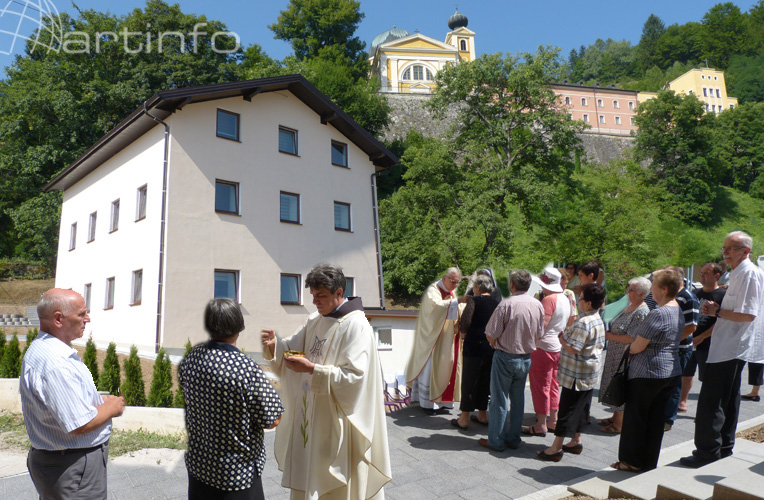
432, 371
332, 441
513, 331
67, 421
734, 342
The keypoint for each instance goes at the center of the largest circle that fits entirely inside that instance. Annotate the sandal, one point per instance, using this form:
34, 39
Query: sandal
682, 409
474, 418
605, 421
610, 429
624, 467
531, 431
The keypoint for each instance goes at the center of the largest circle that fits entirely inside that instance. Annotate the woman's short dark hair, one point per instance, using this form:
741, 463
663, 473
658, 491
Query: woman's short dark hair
668, 279
223, 318
326, 276
484, 283
594, 293
592, 268
521, 279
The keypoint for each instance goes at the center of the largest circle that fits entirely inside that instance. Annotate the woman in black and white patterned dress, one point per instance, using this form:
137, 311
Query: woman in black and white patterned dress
229, 402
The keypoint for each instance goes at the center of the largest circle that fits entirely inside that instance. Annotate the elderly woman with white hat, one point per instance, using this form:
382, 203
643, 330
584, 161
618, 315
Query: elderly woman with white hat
545, 388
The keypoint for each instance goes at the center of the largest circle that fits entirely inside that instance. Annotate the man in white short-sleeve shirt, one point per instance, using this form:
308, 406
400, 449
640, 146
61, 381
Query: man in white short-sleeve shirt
736, 340
67, 421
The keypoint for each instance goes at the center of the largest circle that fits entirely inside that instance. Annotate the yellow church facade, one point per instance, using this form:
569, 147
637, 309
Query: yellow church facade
408, 63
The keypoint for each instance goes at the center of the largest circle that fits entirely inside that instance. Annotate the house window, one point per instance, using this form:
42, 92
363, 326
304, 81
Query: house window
226, 284
718, 94
114, 222
349, 287
616, 105
341, 216
617, 120
228, 125
428, 73
137, 292
140, 206
716, 78
567, 100
732, 106
418, 72
86, 295
109, 300
705, 92
600, 104
290, 207
73, 236
407, 74
631, 104
339, 154
702, 77
602, 118
92, 226
463, 45
287, 140
583, 101
633, 122
227, 197
290, 289
586, 118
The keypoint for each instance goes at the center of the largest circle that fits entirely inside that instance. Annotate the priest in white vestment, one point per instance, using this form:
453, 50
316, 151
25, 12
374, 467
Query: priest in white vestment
433, 371
332, 441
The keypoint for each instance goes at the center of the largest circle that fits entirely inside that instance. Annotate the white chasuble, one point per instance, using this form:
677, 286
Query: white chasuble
332, 440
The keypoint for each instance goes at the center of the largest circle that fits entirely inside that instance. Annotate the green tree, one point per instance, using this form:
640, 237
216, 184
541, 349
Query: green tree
179, 401
739, 143
652, 30
745, 78
31, 335
89, 358
2, 345
675, 136
724, 34
160, 394
109, 379
133, 389
606, 61
11, 363
679, 43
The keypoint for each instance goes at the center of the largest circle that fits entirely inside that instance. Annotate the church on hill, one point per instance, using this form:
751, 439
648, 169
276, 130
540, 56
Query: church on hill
408, 63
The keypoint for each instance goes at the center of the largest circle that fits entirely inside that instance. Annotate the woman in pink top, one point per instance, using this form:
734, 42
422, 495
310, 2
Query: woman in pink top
545, 389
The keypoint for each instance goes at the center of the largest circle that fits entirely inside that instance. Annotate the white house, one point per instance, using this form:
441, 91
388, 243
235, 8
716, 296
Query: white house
229, 190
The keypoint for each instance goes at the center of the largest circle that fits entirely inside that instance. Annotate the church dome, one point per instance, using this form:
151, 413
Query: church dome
458, 20
386, 36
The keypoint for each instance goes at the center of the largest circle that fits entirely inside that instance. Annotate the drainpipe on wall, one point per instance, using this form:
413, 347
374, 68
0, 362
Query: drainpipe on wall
376, 232
165, 166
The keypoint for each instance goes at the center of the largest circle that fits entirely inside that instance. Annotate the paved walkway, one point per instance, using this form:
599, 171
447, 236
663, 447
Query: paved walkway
430, 459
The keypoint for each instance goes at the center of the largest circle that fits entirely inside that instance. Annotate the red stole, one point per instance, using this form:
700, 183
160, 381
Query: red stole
448, 394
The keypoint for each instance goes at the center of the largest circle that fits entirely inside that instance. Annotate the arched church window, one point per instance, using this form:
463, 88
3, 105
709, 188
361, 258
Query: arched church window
463, 45
407, 74
429, 74
418, 73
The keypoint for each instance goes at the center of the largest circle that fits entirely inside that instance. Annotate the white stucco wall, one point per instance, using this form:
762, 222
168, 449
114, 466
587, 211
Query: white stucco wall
134, 246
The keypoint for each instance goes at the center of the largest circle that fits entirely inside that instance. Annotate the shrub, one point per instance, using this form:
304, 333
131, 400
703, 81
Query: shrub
89, 358
133, 389
2, 345
31, 335
180, 399
160, 394
109, 379
11, 364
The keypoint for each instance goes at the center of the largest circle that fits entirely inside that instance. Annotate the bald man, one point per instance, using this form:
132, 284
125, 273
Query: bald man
67, 421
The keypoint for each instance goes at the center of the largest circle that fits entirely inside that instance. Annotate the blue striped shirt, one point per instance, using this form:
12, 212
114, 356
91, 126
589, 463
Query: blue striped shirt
58, 396
663, 327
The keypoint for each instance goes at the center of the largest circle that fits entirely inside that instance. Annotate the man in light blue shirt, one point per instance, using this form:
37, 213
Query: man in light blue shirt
67, 421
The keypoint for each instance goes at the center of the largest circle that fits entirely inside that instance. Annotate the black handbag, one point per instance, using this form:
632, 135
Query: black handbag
615, 393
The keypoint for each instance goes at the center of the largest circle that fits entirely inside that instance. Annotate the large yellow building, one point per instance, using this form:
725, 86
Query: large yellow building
707, 84
408, 63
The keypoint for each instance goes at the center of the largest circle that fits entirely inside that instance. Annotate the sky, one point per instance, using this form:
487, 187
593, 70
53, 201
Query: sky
500, 25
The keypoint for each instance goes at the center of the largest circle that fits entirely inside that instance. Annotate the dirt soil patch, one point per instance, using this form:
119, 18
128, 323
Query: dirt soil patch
22, 293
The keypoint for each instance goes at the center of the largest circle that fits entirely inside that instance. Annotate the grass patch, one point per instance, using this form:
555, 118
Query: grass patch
13, 436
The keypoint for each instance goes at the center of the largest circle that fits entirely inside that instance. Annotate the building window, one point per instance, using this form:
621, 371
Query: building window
137, 292
418, 72
288, 141
407, 74
114, 222
631, 104
705, 92
73, 236
718, 94
600, 104
109, 300
226, 284
290, 207
463, 45
228, 125
339, 154
633, 122
732, 106
583, 101
690, 91
227, 197
86, 295
617, 120
702, 77
586, 118
429, 74
341, 216
716, 78
602, 118
349, 287
92, 226
140, 206
616, 105
567, 100
290, 289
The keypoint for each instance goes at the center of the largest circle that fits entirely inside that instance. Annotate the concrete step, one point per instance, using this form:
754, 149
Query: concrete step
745, 485
599, 486
699, 483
